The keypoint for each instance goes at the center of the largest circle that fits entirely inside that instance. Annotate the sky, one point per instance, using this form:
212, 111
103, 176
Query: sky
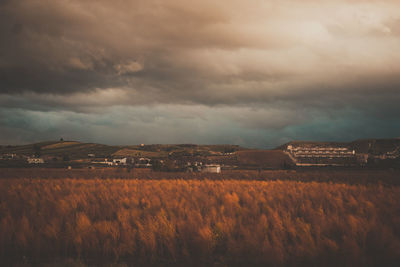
252, 73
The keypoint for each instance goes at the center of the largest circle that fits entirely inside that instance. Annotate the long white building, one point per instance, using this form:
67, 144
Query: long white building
321, 156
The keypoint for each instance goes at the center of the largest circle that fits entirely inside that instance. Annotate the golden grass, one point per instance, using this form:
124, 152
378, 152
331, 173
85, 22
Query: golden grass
200, 222
364, 177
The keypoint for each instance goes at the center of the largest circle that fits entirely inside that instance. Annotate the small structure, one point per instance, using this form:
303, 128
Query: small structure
35, 160
212, 168
117, 162
113, 162
8, 156
91, 155
105, 162
144, 163
194, 166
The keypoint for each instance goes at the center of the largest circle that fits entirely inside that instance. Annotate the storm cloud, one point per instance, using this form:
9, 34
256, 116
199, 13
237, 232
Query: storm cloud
254, 73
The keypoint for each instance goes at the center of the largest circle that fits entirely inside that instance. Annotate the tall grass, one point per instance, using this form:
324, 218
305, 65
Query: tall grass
347, 176
195, 222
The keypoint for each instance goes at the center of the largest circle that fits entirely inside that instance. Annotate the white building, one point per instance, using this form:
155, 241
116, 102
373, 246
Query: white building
114, 162
105, 162
320, 152
213, 168
117, 162
35, 160
315, 155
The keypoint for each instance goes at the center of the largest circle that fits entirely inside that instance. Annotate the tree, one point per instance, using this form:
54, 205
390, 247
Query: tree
156, 165
37, 151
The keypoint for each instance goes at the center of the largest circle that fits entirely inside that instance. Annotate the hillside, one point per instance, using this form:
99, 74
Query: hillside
79, 150
72, 149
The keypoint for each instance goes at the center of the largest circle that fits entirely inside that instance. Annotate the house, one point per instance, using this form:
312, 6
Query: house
113, 162
117, 162
194, 166
8, 156
105, 162
143, 163
212, 168
35, 160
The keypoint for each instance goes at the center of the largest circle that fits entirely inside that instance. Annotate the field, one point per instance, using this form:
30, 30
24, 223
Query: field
139, 222
275, 159
346, 176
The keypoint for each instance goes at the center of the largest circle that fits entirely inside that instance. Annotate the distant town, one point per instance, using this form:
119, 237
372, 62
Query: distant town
369, 153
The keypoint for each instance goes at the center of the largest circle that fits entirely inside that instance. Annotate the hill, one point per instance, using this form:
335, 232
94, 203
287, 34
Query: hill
79, 150
72, 149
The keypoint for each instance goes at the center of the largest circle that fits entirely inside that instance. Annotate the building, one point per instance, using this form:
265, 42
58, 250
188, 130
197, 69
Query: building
393, 154
35, 160
194, 166
321, 155
113, 162
212, 168
8, 156
143, 163
117, 162
105, 162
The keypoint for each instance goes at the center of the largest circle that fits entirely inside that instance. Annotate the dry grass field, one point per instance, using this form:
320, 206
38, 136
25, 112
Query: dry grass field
201, 223
346, 176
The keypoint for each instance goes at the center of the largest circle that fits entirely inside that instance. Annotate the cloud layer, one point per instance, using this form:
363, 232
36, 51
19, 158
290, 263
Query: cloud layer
263, 72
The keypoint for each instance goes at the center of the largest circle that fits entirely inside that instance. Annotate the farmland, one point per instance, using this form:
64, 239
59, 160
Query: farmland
199, 222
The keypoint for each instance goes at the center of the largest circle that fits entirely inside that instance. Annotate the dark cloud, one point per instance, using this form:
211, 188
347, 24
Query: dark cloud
190, 124
268, 66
